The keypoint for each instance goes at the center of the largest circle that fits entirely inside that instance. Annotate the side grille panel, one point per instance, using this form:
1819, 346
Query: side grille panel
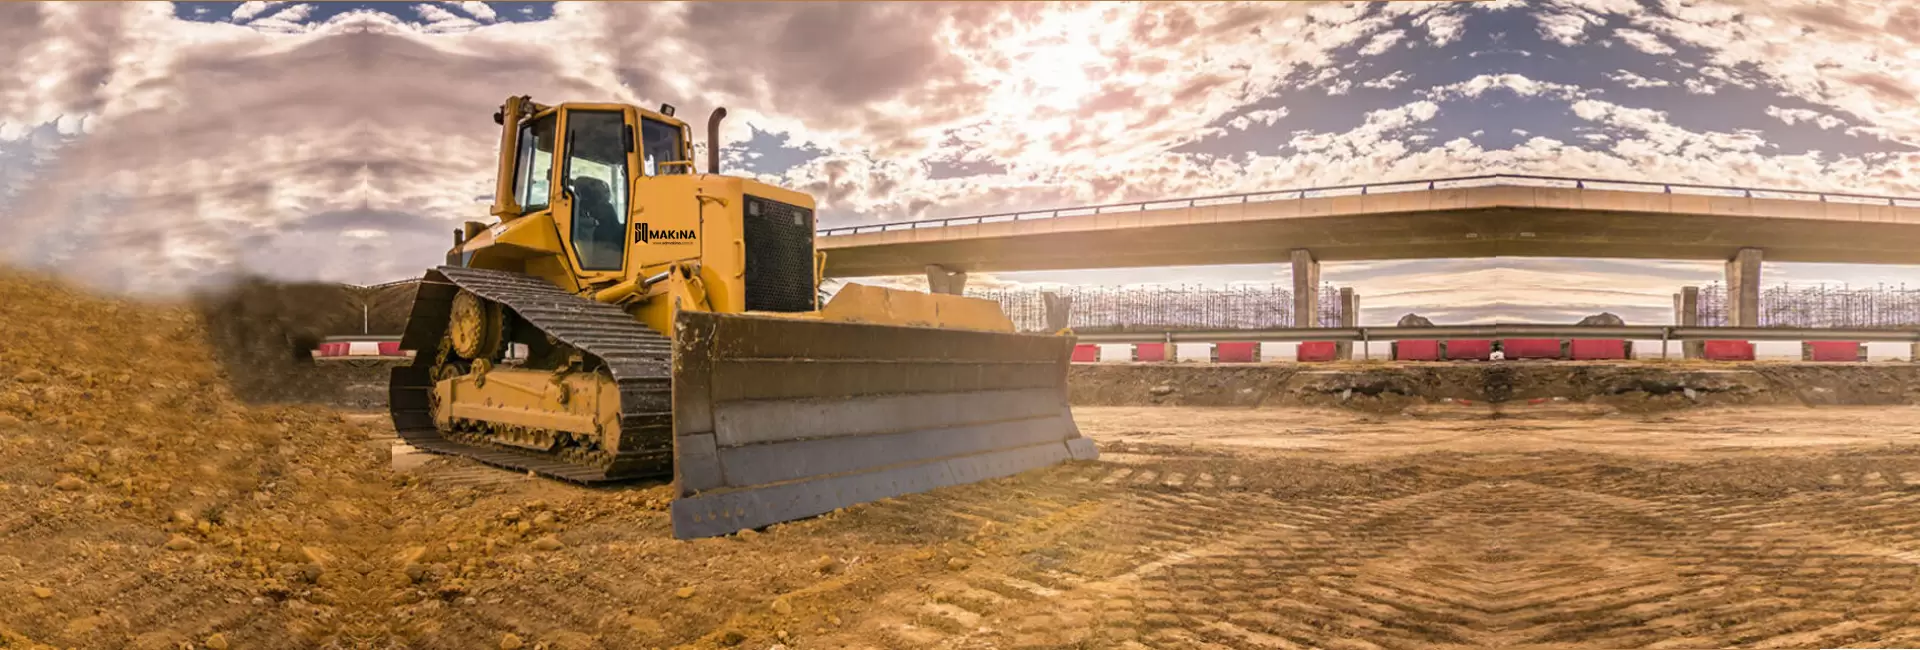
779, 256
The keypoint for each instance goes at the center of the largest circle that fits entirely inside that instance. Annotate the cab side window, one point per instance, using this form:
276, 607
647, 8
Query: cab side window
661, 143
534, 170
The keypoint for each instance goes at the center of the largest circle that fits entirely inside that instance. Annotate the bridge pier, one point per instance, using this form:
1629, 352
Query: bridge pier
1349, 317
941, 280
1059, 309
1686, 308
1743, 288
1306, 289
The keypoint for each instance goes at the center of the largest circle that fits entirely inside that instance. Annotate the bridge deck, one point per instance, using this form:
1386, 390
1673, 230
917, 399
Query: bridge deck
1491, 216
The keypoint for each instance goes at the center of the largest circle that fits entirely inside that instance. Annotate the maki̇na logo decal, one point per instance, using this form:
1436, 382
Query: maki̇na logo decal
644, 235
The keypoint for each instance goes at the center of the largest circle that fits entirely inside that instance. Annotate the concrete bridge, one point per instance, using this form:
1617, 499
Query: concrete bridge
1502, 215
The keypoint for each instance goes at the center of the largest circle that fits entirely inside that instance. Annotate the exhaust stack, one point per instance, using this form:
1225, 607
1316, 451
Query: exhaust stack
713, 139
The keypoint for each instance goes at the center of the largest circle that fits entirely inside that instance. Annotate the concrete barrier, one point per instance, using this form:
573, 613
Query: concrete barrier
337, 349
1467, 349
1728, 350
1832, 351
1531, 348
1598, 349
1150, 352
1316, 351
1416, 350
1236, 352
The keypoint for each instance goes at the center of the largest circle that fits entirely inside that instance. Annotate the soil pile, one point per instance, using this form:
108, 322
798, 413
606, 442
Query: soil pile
143, 505
263, 333
388, 307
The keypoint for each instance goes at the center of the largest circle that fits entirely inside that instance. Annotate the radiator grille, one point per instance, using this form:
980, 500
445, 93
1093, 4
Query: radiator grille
779, 256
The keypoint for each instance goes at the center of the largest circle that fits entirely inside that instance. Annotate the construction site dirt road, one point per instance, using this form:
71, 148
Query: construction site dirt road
146, 506
1233, 528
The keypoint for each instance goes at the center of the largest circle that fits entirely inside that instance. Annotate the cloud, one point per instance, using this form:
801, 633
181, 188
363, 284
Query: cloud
1389, 82
1382, 42
1643, 41
1263, 117
438, 20
1566, 25
249, 10
1443, 27
479, 10
1632, 80
1517, 84
1797, 115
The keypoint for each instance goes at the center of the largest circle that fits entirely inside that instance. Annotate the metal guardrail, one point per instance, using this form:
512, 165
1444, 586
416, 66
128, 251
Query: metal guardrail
1494, 331
1361, 189
1513, 330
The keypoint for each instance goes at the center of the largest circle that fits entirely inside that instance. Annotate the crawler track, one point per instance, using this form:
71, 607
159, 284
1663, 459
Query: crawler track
639, 359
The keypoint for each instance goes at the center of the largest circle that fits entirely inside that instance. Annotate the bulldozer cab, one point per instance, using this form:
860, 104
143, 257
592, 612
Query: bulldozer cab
578, 164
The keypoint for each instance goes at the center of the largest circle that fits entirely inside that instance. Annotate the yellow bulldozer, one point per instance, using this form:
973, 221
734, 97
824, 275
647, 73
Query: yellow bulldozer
629, 317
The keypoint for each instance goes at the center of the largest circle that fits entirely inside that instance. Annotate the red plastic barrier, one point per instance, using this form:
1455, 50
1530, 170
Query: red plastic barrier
1595, 349
1149, 352
1086, 353
1416, 350
1317, 351
1530, 348
390, 349
1474, 349
1237, 352
1833, 350
1728, 350
333, 349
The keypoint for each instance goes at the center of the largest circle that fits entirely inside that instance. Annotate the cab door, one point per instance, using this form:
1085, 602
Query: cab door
592, 207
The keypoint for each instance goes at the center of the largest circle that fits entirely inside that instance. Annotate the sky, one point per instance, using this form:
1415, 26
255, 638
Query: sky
153, 147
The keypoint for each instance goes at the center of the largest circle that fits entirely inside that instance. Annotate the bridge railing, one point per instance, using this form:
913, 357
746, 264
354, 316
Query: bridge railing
1361, 189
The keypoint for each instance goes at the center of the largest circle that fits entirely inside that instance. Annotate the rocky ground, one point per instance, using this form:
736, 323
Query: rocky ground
146, 506
143, 505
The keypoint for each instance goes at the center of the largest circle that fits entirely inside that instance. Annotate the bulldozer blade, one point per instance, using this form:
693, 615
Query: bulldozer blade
777, 419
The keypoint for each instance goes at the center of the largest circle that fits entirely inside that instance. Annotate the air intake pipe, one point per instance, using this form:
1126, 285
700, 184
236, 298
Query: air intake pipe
713, 139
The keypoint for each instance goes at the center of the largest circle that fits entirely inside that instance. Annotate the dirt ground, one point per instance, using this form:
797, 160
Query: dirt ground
147, 506
1267, 528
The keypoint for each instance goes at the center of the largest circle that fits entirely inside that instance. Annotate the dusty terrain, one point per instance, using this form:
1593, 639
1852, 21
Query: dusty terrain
143, 505
1269, 528
146, 506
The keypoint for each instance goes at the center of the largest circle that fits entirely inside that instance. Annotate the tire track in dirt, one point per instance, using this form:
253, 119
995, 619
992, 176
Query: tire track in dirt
1491, 559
